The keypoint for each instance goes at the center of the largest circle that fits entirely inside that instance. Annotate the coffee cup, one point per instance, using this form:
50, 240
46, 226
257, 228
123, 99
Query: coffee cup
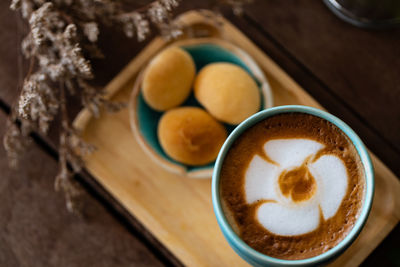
257, 258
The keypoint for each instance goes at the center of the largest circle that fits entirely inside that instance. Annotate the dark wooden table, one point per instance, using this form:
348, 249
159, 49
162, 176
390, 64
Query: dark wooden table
354, 73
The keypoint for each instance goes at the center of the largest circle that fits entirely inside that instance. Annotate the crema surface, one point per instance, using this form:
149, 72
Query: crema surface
292, 186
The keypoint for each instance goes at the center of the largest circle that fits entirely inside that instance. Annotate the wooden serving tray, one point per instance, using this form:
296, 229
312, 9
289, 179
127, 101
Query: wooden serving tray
178, 210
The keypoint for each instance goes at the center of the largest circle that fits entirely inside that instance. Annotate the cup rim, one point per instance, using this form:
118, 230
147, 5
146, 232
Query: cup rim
362, 151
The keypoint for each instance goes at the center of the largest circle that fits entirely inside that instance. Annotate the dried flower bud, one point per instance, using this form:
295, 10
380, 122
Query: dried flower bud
37, 102
142, 26
135, 23
158, 13
169, 4
37, 22
128, 25
15, 4
70, 33
91, 31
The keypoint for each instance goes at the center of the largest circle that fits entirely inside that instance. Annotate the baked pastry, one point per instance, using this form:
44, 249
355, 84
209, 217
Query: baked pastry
168, 79
190, 135
227, 91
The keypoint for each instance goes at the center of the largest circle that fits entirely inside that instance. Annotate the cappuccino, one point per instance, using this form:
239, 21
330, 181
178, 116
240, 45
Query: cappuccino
292, 186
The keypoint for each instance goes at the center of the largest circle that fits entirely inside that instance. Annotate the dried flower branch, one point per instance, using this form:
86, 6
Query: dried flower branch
61, 41
60, 30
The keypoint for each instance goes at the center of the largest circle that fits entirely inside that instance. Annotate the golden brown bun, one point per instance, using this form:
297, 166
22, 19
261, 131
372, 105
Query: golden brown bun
168, 79
190, 135
227, 91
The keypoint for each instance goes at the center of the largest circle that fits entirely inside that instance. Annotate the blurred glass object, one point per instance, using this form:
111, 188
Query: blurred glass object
367, 13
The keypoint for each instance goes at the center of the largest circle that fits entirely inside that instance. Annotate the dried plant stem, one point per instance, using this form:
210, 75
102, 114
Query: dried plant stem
64, 178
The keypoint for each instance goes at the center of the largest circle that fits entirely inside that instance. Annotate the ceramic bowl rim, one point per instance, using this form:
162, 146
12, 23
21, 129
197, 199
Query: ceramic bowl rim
134, 123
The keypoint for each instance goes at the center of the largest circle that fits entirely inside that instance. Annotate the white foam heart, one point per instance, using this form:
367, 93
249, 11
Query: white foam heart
332, 181
261, 180
288, 220
289, 153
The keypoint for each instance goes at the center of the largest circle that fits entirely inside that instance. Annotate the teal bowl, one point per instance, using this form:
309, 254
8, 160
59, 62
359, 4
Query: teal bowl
258, 259
144, 120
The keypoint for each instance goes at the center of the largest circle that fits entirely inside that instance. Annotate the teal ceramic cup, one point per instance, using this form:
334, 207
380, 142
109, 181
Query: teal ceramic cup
258, 259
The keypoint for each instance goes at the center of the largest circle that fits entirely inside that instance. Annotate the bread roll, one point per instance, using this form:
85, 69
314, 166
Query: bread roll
168, 79
190, 135
227, 91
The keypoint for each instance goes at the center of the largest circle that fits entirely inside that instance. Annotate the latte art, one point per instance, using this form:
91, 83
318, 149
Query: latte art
292, 186
295, 183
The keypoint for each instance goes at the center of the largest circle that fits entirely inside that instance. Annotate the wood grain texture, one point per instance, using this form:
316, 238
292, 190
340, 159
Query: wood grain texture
177, 210
37, 230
